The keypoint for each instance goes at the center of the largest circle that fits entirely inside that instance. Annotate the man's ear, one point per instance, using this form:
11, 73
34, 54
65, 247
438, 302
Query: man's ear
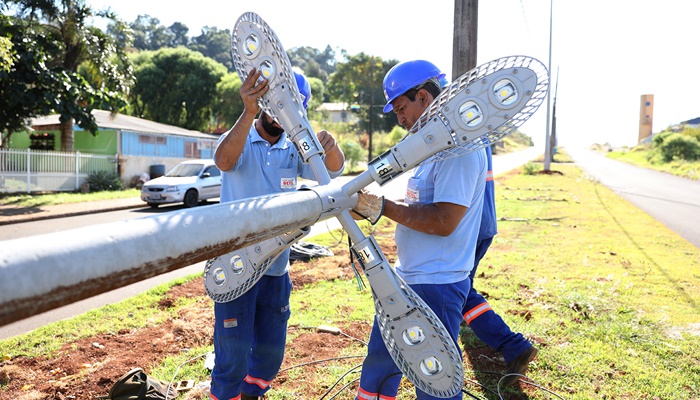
423, 97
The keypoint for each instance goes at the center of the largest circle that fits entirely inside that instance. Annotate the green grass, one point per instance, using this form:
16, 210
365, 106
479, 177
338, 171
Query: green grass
610, 297
645, 157
33, 200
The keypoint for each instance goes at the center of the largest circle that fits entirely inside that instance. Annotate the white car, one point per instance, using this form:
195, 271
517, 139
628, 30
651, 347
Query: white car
189, 182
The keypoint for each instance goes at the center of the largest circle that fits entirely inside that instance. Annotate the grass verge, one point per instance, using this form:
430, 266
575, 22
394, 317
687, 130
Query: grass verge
643, 156
49, 199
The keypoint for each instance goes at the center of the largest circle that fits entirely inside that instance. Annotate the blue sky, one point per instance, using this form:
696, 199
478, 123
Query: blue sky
606, 53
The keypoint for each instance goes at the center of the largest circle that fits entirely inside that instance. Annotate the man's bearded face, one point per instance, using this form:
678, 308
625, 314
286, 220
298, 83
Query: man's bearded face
270, 126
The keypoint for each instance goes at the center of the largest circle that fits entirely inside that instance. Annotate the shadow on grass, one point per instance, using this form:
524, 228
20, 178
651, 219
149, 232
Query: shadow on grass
488, 367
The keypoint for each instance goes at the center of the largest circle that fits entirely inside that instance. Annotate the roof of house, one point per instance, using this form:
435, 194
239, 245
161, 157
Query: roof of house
105, 120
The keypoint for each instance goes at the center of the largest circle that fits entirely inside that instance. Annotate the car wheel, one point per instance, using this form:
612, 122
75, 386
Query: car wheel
191, 198
153, 205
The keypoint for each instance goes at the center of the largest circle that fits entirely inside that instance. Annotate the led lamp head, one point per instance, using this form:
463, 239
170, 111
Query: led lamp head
237, 264
219, 276
431, 366
413, 336
251, 44
267, 71
506, 92
471, 113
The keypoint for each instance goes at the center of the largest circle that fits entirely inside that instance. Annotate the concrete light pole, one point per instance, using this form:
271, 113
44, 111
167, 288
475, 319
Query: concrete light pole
464, 37
547, 144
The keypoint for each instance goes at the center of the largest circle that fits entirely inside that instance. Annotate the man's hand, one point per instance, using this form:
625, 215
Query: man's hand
251, 92
334, 155
369, 206
327, 141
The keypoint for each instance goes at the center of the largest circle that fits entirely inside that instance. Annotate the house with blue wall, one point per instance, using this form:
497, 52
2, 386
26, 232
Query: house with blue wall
140, 144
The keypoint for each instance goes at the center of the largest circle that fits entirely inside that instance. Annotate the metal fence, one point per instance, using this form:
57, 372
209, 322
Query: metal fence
48, 171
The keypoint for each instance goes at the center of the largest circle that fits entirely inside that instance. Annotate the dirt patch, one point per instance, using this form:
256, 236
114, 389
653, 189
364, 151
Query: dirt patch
87, 368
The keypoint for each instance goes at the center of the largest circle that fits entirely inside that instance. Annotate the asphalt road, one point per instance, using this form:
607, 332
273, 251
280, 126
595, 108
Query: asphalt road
673, 201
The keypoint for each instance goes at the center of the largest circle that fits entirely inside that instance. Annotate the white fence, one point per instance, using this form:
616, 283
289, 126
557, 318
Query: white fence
39, 171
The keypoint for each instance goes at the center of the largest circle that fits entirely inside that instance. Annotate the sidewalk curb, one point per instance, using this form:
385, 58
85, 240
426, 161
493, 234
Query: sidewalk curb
18, 219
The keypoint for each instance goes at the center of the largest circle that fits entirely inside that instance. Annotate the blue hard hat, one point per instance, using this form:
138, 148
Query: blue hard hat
444, 82
304, 88
405, 76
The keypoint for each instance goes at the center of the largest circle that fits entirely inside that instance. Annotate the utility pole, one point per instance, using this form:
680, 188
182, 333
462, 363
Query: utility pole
464, 36
371, 106
553, 137
547, 144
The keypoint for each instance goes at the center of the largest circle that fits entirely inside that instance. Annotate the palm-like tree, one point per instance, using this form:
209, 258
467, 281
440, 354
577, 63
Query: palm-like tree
91, 67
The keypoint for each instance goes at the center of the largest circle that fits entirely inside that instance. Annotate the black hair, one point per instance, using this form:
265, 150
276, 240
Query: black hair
430, 86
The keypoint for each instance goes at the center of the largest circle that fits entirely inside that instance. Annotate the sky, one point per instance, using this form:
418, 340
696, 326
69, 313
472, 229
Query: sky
605, 54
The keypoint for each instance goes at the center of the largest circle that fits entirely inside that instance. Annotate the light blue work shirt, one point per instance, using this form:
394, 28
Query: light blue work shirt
265, 169
433, 259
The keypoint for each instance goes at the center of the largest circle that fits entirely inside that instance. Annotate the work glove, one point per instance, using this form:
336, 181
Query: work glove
369, 206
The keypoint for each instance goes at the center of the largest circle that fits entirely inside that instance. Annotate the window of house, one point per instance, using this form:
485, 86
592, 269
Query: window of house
42, 141
152, 139
191, 150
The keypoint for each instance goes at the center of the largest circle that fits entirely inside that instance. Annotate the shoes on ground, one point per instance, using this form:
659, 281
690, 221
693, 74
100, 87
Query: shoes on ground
519, 365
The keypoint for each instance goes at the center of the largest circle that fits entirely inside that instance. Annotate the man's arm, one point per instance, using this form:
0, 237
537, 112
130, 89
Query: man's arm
435, 218
334, 155
231, 147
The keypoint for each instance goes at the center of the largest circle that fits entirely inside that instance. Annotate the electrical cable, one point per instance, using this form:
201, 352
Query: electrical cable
379, 390
528, 382
304, 251
344, 387
170, 384
482, 386
338, 240
358, 277
338, 381
468, 393
318, 361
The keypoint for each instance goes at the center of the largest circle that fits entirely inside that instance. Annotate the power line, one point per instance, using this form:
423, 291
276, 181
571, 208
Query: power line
527, 26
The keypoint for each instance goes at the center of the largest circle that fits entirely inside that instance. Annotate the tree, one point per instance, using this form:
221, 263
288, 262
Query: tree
78, 45
314, 63
318, 94
27, 83
216, 44
176, 86
5, 54
228, 104
149, 34
179, 34
356, 80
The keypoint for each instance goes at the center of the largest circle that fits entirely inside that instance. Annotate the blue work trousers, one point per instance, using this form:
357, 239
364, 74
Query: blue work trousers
380, 376
488, 326
249, 339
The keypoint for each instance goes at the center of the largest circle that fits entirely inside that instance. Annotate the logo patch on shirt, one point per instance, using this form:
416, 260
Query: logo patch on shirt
288, 183
285, 308
231, 323
412, 196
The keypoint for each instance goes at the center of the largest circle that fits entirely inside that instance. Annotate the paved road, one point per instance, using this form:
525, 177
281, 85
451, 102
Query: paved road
673, 201
393, 189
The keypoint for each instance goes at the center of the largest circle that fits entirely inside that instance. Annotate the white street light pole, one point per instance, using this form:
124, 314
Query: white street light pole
547, 144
